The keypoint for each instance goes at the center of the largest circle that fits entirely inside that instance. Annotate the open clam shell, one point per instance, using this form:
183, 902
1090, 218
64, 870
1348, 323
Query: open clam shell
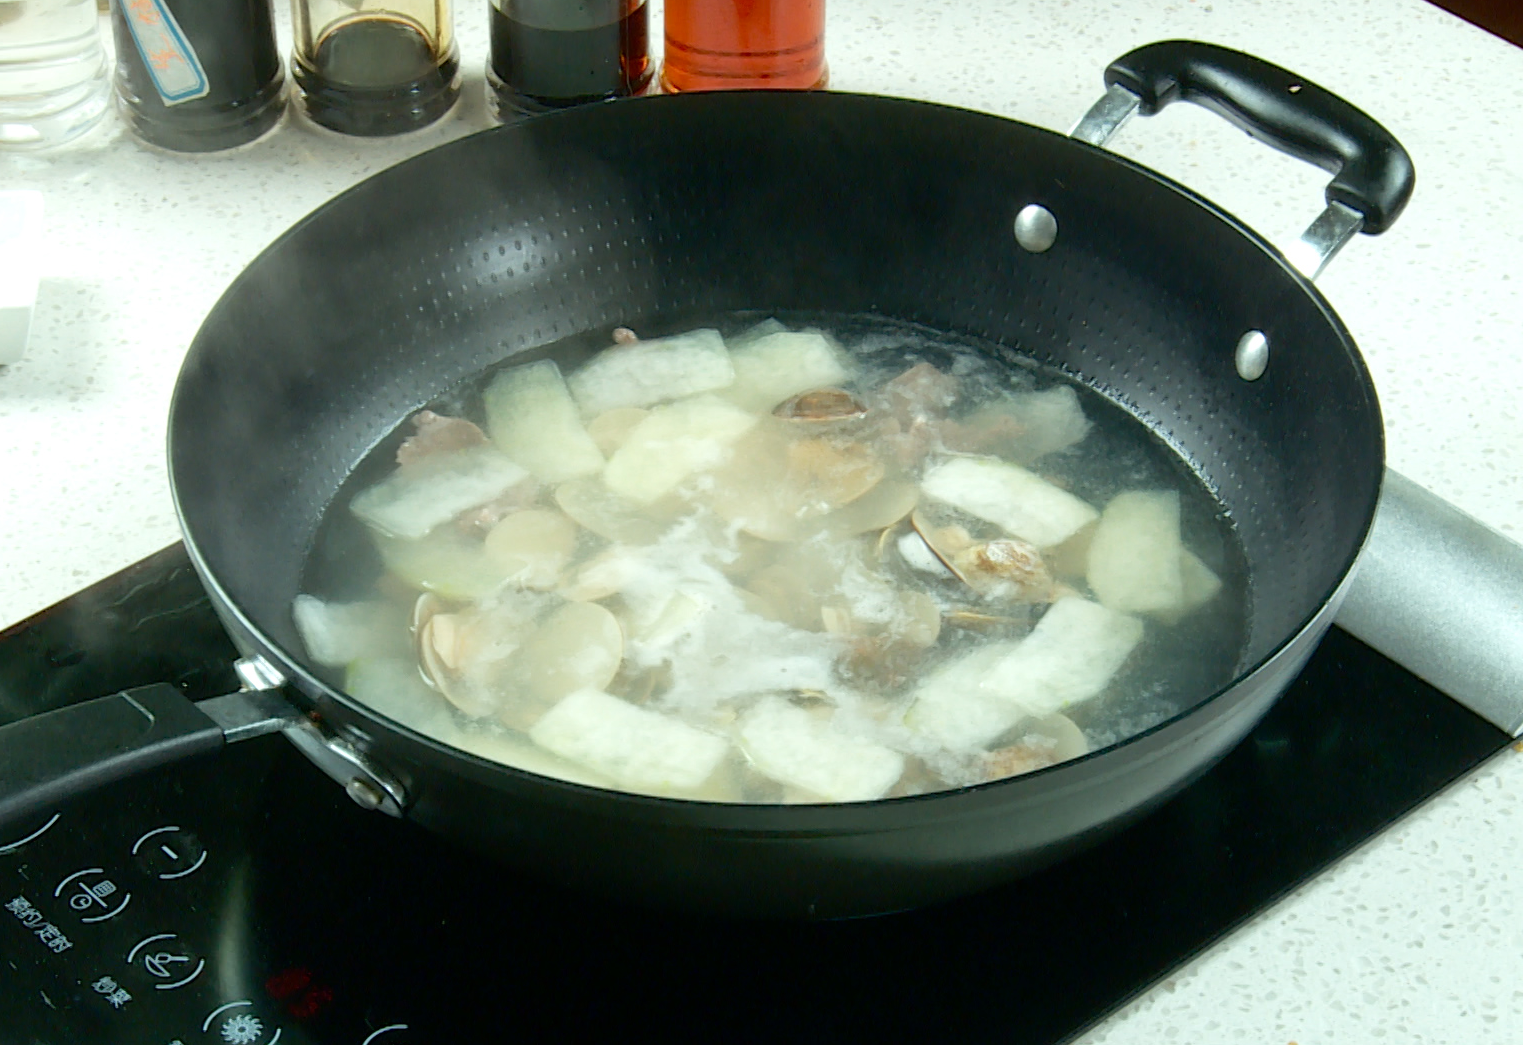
821, 405
1001, 568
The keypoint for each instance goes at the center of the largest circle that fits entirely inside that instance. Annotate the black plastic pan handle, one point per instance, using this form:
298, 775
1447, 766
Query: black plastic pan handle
58, 755
1372, 173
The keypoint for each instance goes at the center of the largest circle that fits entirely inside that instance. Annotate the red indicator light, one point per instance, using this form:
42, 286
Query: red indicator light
287, 982
311, 1003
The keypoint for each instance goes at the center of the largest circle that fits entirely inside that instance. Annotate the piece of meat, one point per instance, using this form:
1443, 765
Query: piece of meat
477, 521
920, 394
436, 433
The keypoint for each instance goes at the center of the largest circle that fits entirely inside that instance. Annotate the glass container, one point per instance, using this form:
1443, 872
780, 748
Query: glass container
54, 82
549, 54
375, 67
728, 44
197, 75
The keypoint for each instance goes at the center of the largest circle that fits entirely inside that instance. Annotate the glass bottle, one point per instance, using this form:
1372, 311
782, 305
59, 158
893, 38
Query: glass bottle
549, 54
197, 75
53, 72
724, 44
375, 67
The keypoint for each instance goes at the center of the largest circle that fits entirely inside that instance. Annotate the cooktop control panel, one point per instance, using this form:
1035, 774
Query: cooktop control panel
140, 915
242, 899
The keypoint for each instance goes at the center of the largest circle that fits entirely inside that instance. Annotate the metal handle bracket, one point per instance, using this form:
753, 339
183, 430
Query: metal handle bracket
1373, 176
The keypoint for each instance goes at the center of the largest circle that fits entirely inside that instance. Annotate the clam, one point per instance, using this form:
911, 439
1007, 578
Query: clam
885, 648
781, 487
945, 539
512, 660
1003, 568
423, 610
532, 546
912, 617
878, 509
821, 405
438, 650
828, 474
977, 620
457, 651
436, 640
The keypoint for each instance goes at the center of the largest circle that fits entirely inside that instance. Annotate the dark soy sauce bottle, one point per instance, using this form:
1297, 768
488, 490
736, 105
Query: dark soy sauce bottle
375, 71
550, 54
197, 75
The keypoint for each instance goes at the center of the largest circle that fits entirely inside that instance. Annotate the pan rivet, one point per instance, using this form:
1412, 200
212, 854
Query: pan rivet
1035, 228
365, 794
1252, 355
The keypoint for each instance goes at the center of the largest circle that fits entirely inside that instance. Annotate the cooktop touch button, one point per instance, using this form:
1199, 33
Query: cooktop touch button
166, 961
236, 1023
169, 852
93, 894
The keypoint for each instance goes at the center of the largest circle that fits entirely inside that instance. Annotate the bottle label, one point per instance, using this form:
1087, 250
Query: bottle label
167, 55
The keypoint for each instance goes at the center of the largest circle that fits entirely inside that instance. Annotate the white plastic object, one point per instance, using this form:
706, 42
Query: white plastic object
20, 244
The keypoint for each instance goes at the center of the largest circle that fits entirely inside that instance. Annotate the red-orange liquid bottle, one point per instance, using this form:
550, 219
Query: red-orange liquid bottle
722, 44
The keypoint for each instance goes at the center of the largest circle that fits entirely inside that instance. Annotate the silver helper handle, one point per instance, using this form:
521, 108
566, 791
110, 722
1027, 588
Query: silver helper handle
1323, 238
260, 708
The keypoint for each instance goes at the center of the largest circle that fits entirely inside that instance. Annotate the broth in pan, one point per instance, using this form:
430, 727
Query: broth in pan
832, 560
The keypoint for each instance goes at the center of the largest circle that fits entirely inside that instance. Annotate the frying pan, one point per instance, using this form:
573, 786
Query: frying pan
637, 212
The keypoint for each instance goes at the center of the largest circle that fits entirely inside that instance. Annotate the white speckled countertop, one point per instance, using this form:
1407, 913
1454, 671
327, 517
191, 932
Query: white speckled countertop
1417, 937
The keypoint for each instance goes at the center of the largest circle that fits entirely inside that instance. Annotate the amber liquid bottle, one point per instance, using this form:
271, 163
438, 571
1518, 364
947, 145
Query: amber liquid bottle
550, 54
375, 68
726, 44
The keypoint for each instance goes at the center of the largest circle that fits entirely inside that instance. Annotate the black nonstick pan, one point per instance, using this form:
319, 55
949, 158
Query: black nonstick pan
625, 213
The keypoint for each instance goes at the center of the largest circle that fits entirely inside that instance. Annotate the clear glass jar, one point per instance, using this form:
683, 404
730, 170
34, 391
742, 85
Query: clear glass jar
54, 82
375, 67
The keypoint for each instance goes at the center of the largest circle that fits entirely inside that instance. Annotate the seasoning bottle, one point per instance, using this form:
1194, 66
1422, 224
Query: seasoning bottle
549, 54
53, 72
375, 68
725, 44
197, 75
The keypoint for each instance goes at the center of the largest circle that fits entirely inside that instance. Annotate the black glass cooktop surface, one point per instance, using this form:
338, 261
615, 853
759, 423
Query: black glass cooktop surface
243, 900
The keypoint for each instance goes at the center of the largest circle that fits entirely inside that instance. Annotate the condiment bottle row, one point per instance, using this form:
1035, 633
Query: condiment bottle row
202, 75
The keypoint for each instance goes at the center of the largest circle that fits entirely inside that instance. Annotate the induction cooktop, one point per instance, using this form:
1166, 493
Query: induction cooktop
243, 900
